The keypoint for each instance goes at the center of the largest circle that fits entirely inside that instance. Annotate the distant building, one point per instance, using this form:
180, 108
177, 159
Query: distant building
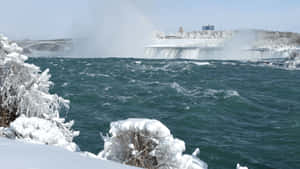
208, 28
181, 31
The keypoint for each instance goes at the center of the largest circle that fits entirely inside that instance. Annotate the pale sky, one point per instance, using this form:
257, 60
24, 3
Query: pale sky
47, 19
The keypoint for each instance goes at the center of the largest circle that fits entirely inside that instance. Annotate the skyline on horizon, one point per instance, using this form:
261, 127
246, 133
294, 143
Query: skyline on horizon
34, 19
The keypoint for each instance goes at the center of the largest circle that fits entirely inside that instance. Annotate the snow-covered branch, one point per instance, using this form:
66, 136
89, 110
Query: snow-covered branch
24, 96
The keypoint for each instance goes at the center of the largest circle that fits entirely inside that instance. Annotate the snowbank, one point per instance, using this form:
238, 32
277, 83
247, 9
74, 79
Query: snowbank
20, 155
41, 131
148, 144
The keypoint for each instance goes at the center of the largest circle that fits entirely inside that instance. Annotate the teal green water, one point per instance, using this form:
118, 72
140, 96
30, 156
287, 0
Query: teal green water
233, 111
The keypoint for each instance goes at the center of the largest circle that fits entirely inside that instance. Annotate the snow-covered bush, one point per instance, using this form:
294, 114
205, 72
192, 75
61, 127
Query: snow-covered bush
24, 88
24, 91
148, 144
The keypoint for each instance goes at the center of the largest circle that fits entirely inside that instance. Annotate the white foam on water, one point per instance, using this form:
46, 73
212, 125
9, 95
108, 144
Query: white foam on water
200, 92
138, 62
181, 89
238, 166
229, 63
65, 84
201, 63
231, 93
221, 93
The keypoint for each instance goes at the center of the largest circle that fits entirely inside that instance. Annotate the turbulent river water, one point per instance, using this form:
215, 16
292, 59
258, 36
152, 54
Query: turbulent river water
233, 111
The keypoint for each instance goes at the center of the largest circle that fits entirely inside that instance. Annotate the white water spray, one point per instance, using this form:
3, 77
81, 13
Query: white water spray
116, 28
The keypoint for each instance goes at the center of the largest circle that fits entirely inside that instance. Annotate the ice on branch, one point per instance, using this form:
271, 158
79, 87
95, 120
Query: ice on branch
24, 95
148, 144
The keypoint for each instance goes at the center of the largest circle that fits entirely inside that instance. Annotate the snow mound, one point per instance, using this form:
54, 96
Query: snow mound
148, 144
41, 131
24, 96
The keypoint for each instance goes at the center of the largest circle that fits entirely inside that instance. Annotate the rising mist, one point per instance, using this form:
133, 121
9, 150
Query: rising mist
115, 28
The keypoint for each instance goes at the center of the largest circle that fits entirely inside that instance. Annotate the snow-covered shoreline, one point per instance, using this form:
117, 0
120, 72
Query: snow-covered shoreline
21, 155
